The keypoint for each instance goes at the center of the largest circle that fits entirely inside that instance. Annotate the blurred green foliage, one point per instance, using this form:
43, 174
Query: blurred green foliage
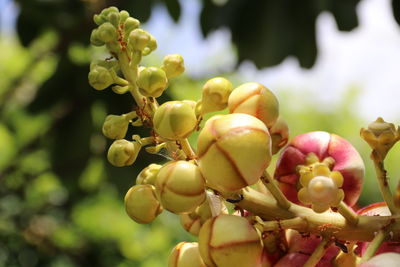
61, 203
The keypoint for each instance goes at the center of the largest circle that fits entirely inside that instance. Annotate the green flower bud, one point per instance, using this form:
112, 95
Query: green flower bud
113, 18
186, 254
115, 127
123, 152
100, 78
180, 186
130, 24
173, 65
151, 46
107, 32
215, 94
138, 39
381, 136
141, 203
123, 15
174, 120
103, 16
148, 175
152, 81
94, 38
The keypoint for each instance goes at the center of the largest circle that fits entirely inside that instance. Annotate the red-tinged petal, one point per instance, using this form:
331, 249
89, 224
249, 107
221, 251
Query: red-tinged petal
290, 158
298, 260
315, 142
350, 164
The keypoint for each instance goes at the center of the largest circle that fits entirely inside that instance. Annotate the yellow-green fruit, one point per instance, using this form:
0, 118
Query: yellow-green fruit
152, 82
186, 254
174, 120
123, 152
256, 100
233, 151
115, 127
229, 240
215, 94
180, 186
173, 65
148, 175
141, 203
107, 32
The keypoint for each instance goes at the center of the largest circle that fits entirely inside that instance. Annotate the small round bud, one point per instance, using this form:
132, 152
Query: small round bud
113, 18
100, 78
106, 32
279, 134
256, 100
180, 186
233, 151
141, 203
94, 38
229, 240
192, 222
123, 15
215, 94
186, 254
149, 174
151, 46
138, 39
152, 82
130, 24
173, 65
115, 127
174, 120
123, 152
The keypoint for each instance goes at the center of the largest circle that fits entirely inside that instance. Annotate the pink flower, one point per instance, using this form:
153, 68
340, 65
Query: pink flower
346, 160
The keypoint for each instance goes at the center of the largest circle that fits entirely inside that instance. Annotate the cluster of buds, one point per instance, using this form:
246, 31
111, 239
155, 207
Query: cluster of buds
303, 214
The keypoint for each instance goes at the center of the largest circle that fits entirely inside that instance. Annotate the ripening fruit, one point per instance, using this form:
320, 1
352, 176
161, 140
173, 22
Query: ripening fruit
256, 100
141, 203
180, 186
233, 151
186, 254
347, 161
174, 120
229, 240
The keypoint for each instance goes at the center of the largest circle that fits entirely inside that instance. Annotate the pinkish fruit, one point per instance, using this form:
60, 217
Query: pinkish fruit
324, 145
